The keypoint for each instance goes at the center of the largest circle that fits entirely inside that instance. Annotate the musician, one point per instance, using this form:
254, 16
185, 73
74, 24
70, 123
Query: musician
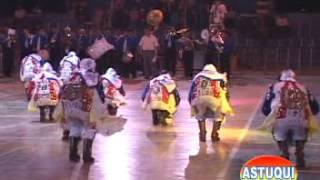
106, 53
170, 50
228, 50
186, 53
149, 46
127, 46
218, 13
215, 45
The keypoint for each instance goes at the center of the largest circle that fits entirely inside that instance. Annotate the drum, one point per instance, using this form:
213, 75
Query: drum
99, 48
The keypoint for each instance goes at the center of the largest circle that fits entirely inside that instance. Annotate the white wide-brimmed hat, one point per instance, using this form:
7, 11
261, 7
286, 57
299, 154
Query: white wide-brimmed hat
209, 67
87, 64
288, 75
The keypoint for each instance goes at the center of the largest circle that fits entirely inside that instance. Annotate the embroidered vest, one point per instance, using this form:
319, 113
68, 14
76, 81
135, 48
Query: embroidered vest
292, 98
158, 92
79, 93
207, 87
46, 89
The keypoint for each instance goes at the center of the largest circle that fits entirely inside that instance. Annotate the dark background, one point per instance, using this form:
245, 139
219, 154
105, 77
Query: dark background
281, 6
284, 6
7, 6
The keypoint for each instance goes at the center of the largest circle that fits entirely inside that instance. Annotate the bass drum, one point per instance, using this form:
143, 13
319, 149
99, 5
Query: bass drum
155, 17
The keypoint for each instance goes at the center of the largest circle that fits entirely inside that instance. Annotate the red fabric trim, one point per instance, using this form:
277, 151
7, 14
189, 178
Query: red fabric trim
165, 95
215, 88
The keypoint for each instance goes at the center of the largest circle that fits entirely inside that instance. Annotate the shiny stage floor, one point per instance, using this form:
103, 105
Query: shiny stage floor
33, 151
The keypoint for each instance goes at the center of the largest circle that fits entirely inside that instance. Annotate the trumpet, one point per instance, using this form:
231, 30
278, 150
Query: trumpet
180, 31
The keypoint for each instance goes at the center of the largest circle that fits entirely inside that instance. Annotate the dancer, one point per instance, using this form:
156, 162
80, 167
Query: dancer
290, 109
30, 67
208, 100
45, 90
162, 96
113, 91
68, 65
81, 107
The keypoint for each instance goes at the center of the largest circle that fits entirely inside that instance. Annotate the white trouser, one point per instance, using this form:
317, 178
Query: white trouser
79, 128
205, 113
294, 122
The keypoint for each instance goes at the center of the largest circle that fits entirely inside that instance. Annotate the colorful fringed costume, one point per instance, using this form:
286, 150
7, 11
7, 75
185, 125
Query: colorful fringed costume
68, 65
113, 91
29, 68
208, 100
45, 90
290, 110
162, 97
83, 110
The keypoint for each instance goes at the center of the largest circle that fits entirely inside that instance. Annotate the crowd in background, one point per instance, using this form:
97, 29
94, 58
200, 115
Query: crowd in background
125, 27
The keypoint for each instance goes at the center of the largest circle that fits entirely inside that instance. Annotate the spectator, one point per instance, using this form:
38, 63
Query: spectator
128, 44
40, 40
26, 40
149, 45
8, 50
82, 43
54, 39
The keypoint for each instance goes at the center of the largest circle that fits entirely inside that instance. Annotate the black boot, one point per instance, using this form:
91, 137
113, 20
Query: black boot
155, 118
203, 132
27, 94
163, 115
112, 110
284, 148
300, 154
214, 134
87, 151
42, 113
65, 135
51, 110
74, 156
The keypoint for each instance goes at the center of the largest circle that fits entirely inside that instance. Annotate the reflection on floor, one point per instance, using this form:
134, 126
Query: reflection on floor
34, 151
